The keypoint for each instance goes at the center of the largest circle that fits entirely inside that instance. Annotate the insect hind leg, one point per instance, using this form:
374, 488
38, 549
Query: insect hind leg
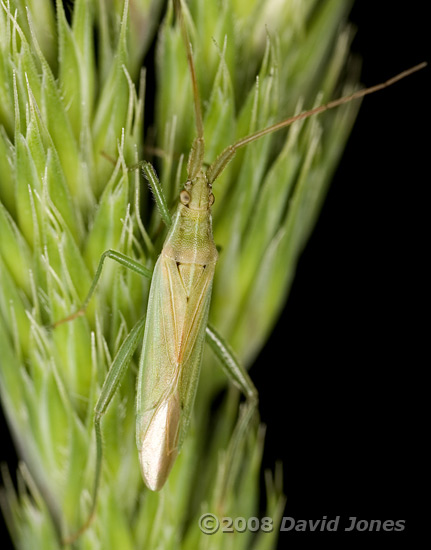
239, 376
110, 386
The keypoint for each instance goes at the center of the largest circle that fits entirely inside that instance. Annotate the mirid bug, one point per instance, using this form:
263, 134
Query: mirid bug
175, 327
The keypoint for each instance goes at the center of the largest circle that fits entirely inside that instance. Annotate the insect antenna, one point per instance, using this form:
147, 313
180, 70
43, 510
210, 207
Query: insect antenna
227, 154
198, 148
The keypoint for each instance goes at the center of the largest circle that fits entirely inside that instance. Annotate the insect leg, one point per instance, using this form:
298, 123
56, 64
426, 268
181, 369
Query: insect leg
156, 188
239, 376
109, 388
126, 261
230, 364
122, 259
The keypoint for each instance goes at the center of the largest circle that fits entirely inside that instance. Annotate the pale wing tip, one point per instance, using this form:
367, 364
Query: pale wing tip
155, 469
154, 478
158, 446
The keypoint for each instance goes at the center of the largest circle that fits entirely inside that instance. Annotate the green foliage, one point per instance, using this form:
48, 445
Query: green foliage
71, 99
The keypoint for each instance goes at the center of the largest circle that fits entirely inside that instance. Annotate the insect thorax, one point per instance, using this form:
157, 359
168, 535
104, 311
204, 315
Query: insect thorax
190, 239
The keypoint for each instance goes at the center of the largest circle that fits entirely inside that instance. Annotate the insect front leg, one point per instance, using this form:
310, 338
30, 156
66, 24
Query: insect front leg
156, 188
239, 376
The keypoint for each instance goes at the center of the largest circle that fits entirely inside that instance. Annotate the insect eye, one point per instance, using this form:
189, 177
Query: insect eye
185, 197
211, 199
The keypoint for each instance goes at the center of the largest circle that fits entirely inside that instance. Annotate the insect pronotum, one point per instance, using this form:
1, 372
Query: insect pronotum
176, 324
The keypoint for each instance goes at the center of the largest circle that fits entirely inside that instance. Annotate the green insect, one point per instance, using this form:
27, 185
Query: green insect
176, 327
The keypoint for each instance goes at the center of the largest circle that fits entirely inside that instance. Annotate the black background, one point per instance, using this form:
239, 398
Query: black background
341, 378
